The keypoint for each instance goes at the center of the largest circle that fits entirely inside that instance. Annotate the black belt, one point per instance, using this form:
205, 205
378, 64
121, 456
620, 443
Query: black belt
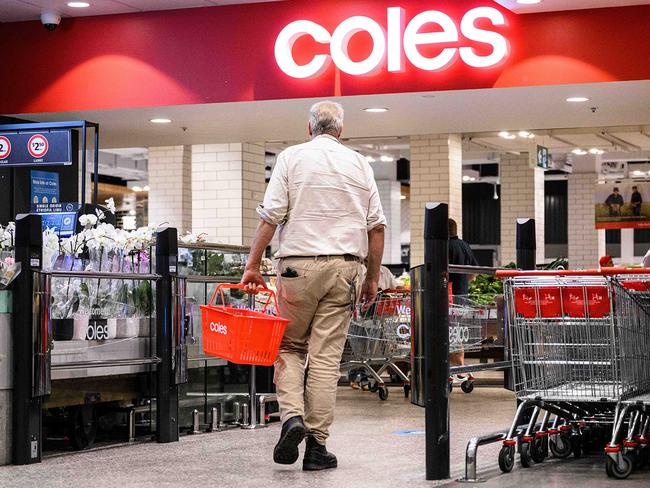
346, 257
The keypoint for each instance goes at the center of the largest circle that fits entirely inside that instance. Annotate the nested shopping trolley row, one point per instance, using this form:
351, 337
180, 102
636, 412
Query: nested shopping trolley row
580, 346
379, 339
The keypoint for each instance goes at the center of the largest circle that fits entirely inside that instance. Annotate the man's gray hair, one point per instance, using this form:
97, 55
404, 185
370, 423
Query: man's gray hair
326, 118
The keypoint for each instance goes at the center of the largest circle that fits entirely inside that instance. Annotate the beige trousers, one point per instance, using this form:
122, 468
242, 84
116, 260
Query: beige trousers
318, 304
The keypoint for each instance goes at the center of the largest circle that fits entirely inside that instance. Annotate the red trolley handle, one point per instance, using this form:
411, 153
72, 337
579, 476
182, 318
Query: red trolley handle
584, 272
225, 286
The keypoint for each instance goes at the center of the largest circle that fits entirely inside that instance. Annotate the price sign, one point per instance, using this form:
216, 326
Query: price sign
51, 148
38, 146
5, 147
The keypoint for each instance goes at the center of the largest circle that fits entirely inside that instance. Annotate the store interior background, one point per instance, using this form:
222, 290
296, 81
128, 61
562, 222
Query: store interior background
197, 153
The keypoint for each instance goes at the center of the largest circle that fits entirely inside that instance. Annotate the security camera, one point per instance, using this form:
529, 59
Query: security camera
50, 20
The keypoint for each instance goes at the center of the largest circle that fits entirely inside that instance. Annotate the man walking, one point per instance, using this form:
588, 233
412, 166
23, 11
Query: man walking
324, 198
637, 201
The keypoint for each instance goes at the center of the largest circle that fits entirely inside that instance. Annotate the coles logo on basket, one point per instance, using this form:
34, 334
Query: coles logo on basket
431, 41
219, 328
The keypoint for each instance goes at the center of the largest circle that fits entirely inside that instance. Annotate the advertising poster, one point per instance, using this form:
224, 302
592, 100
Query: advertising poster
623, 205
44, 188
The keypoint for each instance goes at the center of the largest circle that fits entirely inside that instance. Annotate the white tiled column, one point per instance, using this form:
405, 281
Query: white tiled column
586, 244
522, 196
170, 187
228, 183
390, 193
436, 176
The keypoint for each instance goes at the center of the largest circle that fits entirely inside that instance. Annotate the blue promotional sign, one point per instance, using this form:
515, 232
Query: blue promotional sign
44, 188
47, 148
63, 224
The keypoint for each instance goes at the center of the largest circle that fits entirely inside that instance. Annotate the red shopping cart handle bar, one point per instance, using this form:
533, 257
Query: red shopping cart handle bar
584, 272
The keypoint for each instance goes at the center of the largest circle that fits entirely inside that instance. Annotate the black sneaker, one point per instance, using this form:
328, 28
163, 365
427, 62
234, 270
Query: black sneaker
317, 458
286, 450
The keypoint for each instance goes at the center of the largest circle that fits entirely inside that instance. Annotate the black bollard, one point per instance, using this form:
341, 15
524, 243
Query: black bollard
167, 390
526, 245
31, 371
435, 315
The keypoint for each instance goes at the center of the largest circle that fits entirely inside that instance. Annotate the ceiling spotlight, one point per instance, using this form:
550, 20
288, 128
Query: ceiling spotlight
466, 178
524, 134
137, 189
637, 173
507, 135
78, 4
375, 110
579, 152
370, 159
596, 151
577, 99
161, 121
402, 197
387, 159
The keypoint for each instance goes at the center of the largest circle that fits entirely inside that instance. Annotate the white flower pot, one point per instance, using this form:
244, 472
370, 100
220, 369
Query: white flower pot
128, 327
80, 327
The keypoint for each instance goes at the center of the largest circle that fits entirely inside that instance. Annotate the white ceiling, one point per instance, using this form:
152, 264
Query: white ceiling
18, 10
469, 111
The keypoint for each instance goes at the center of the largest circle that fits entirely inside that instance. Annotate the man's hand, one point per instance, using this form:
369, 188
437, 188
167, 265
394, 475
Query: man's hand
368, 293
253, 280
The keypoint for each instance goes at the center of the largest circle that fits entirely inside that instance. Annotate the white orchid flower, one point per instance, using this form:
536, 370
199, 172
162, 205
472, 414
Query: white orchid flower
100, 214
88, 220
110, 205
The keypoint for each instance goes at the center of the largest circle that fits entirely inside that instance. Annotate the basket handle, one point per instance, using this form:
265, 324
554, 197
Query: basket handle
226, 286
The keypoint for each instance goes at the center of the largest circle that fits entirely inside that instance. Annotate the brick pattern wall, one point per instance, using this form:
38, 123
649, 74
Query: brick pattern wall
586, 244
522, 196
389, 194
228, 184
170, 183
436, 176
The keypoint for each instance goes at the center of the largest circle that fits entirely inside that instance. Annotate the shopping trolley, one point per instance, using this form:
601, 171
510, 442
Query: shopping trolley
468, 331
379, 340
580, 347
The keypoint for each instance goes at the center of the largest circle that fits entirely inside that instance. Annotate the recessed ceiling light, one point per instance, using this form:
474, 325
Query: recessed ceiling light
579, 152
577, 99
529, 2
161, 121
370, 159
78, 4
375, 110
387, 159
596, 151
507, 135
137, 189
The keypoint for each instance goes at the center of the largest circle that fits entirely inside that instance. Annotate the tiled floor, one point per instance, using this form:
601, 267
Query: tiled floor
369, 438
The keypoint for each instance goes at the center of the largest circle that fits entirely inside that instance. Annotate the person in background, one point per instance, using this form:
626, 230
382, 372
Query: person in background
636, 200
615, 203
324, 198
460, 254
607, 262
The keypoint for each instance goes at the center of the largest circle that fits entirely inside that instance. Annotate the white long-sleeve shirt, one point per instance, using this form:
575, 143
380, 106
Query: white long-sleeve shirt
324, 197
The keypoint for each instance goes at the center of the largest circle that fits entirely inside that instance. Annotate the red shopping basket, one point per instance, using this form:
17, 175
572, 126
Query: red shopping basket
241, 336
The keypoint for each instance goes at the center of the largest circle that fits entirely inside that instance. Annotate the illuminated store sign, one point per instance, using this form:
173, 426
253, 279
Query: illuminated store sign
391, 46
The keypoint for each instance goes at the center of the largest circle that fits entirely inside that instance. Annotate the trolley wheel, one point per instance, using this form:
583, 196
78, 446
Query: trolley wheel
383, 393
576, 446
524, 457
507, 458
83, 427
467, 386
407, 391
560, 447
539, 449
613, 470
